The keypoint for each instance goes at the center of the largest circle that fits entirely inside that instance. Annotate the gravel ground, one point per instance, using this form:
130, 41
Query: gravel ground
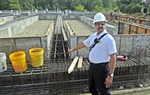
39, 28
80, 28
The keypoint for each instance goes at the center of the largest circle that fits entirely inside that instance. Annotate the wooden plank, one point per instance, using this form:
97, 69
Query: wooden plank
1, 23
73, 64
64, 35
49, 28
80, 62
68, 27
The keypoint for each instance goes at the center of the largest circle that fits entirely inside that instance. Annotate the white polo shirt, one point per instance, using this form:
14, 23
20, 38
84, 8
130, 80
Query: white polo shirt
103, 49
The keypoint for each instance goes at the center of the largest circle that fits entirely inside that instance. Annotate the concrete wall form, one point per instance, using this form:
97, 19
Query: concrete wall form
110, 28
86, 18
16, 27
9, 45
5, 19
133, 28
126, 44
72, 17
48, 40
53, 16
75, 40
48, 16
73, 43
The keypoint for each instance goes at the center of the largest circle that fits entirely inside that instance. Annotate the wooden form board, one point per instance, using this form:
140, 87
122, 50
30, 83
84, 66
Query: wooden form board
69, 29
80, 62
73, 64
1, 23
64, 35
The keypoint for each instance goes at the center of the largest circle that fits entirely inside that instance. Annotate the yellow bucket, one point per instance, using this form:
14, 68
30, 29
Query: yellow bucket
18, 60
36, 56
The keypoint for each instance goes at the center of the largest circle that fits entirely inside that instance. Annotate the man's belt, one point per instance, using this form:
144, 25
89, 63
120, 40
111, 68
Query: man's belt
103, 63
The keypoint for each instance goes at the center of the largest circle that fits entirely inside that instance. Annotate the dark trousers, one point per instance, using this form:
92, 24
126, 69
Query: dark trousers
97, 76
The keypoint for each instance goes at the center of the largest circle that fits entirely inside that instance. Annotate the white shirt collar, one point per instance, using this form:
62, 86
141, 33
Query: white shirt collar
95, 34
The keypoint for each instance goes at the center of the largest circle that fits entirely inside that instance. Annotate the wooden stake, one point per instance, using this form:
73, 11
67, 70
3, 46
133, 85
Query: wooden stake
80, 62
73, 64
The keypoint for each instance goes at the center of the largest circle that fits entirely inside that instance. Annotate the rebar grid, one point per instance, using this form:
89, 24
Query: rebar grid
53, 78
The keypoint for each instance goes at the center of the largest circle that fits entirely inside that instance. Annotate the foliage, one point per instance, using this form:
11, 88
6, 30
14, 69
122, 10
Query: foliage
107, 3
99, 6
148, 9
115, 9
125, 6
27, 4
4, 5
98, 9
14, 4
79, 7
40, 8
130, 6
135, 9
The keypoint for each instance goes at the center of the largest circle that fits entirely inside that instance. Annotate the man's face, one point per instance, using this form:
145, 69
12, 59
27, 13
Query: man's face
100, 26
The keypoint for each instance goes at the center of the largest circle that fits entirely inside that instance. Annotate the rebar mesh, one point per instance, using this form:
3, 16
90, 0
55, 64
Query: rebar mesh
52, 78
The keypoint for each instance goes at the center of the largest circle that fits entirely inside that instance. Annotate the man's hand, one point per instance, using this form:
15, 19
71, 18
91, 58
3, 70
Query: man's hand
108, 81
70, 50
81, 45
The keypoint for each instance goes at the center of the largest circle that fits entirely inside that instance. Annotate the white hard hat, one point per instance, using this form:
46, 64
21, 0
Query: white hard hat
99, 17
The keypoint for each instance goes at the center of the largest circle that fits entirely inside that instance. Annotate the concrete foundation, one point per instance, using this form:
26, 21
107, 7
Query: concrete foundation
15, 27
125, 43
7, 18
137, 45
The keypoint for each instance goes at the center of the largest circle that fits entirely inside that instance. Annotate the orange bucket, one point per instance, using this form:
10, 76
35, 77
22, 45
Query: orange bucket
36, 56
18, 60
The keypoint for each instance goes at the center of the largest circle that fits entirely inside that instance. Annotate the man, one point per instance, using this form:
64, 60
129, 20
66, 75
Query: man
102, 57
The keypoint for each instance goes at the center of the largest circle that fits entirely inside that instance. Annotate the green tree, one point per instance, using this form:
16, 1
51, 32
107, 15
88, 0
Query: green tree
135, 9
115, 8
75, 3
14, 5
98, 9
80, 7
27, 4
4, 4
130, 6
98, 6
123, 8
107, 3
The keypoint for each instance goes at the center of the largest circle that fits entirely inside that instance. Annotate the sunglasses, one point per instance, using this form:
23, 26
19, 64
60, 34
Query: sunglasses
99, 23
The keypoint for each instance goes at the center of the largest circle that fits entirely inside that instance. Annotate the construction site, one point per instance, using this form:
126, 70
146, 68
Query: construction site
56, 32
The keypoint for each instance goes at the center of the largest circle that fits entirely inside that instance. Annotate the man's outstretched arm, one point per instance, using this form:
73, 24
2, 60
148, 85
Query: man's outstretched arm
81, 45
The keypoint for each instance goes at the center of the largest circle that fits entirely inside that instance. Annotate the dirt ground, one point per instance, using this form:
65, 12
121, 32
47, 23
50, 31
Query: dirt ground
80, 28
39, 28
